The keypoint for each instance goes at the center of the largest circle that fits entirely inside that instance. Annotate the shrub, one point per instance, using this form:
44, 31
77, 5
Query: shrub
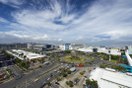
67, 51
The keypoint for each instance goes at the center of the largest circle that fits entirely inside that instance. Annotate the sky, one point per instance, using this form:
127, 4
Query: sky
83, 21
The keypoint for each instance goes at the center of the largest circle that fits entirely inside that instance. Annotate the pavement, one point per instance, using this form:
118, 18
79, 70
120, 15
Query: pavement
30, 80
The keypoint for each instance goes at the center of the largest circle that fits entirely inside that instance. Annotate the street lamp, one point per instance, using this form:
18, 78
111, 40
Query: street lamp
109, 52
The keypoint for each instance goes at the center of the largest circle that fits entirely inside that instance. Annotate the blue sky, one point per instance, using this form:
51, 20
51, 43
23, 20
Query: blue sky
88, 21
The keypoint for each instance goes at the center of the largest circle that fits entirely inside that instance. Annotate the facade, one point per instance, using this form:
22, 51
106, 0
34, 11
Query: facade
76, 46
95, 50
41, 47
13, 46
112, 51
66, 46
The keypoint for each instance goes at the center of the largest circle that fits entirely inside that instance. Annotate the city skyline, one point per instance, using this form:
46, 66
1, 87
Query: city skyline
87, 21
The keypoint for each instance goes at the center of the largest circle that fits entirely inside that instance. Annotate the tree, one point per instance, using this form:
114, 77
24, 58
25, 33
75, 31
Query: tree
24, 64
18, 61
69, 71
76, 80
91, 83
64, 74
67, 51
49, 84
82, 73
24, 57
70, 83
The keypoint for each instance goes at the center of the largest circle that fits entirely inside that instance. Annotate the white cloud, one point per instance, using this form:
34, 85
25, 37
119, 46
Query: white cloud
21, 35
111, 18
45, 19
13, 3
2, 20
99, 19
38, 20
16, 2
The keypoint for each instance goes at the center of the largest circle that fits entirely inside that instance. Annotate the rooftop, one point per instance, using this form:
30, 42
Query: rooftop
29, 55
108, 79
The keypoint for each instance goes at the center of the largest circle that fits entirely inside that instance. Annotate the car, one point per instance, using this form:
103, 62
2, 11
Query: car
85, 76
46, 63
51, 75
57, 83
18, 77
55, 70
48, 79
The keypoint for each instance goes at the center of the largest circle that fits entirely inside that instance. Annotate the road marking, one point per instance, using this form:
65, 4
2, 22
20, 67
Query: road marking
36, 80
39, 77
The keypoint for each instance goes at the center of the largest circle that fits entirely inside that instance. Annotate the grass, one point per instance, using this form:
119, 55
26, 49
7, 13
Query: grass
114, 61
71, 59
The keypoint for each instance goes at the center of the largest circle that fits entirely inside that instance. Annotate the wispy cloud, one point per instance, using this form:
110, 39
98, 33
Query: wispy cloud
58, 20
12, 3
2, 20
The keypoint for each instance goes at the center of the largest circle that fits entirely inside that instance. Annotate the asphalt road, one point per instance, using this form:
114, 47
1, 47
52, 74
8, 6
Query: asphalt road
27, 79
43, 79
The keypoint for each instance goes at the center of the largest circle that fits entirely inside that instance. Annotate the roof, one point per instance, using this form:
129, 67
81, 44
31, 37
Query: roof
108, 79
29, 55
103, 50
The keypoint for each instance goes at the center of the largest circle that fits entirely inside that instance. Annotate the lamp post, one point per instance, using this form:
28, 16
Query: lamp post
109, 51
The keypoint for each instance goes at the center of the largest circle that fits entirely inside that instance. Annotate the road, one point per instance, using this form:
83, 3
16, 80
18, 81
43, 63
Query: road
29, 78
43, 79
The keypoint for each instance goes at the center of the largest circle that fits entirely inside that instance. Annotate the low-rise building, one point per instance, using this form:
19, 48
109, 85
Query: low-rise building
13, 46
112, 51
109, 78
25, 55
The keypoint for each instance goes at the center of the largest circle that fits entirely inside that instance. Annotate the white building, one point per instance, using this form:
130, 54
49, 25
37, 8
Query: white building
113, 51
130, 49
66, 46
111, 79
25, 54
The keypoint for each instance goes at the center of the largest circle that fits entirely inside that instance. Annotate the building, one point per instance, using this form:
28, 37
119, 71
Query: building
112, 51
107, 78
130, 49
95, 50
76, 46
66, 46
13, 46
41, 47
25, 55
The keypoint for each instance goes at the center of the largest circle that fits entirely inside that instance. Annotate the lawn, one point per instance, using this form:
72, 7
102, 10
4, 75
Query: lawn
71, 59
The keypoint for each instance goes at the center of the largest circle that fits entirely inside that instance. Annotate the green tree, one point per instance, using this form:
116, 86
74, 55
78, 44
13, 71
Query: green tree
70, 83
91, 83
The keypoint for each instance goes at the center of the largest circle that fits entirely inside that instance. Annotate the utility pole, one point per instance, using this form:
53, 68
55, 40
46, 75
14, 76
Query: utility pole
109, 51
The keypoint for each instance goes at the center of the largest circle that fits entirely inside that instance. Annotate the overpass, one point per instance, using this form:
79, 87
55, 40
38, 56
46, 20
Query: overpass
129, 59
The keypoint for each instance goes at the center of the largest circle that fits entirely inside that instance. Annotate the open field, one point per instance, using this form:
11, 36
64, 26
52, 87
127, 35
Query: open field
71, 59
